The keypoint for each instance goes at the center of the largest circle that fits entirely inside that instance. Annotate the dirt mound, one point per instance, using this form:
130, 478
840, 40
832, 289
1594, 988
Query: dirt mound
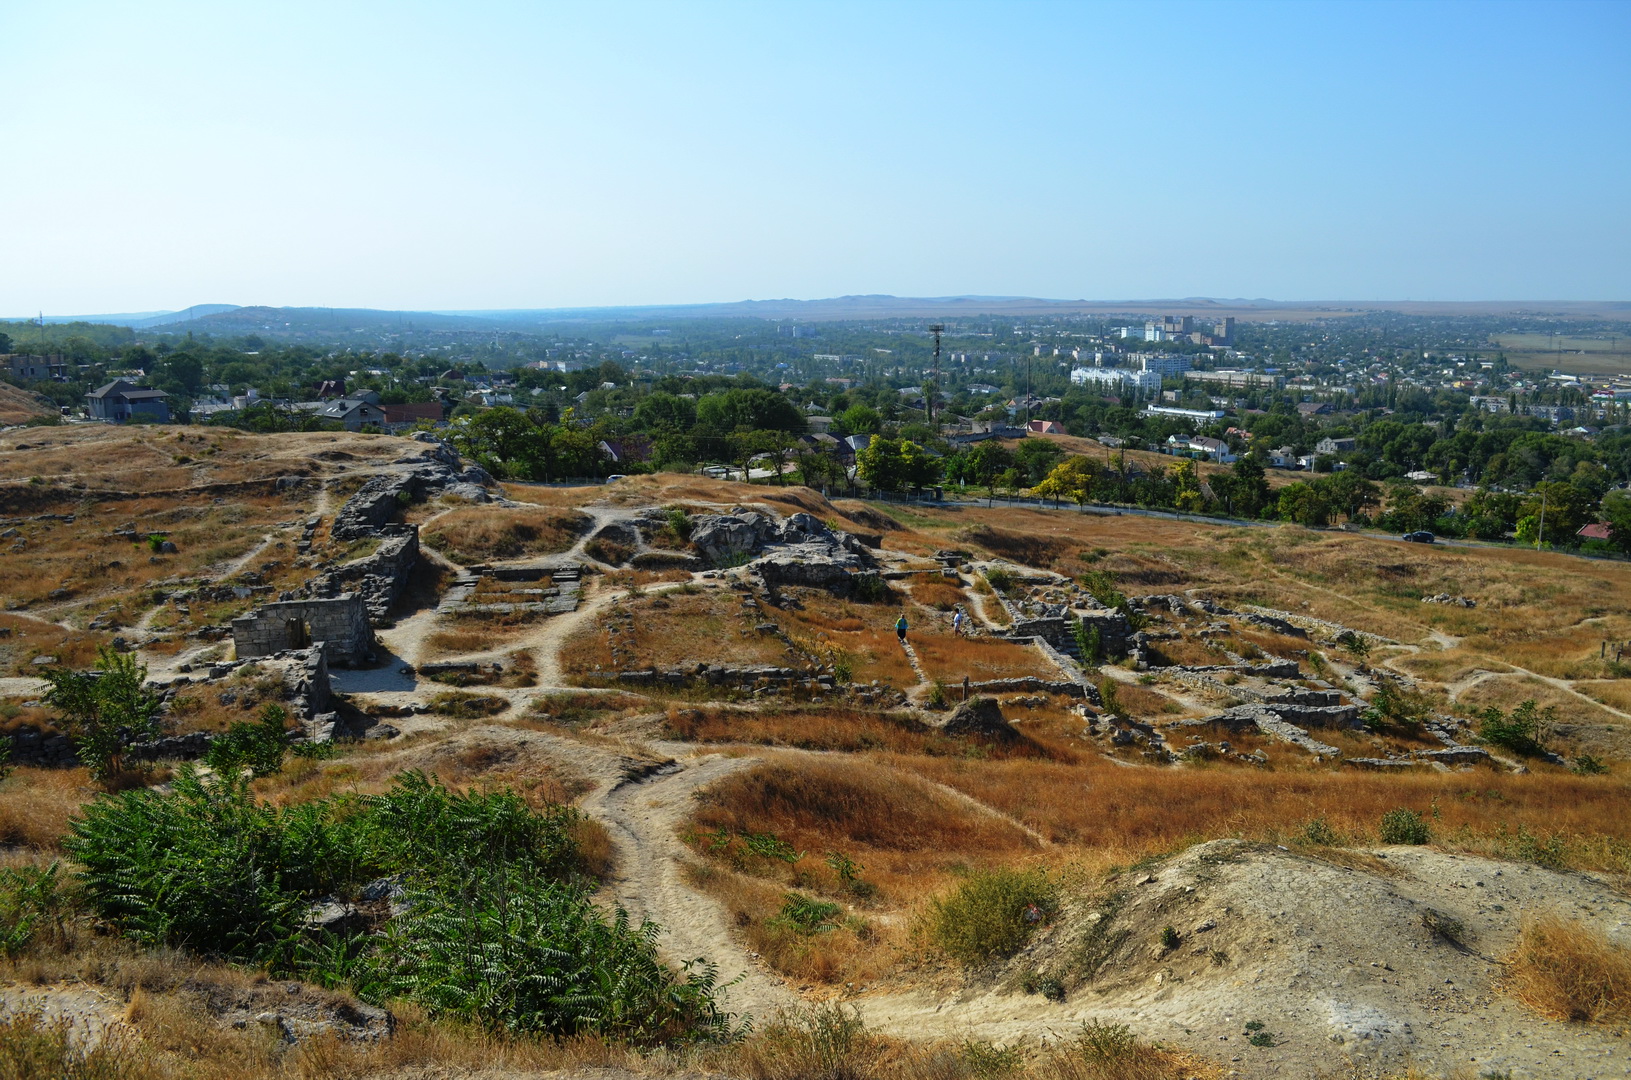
1377, 960
18, 405
980, 718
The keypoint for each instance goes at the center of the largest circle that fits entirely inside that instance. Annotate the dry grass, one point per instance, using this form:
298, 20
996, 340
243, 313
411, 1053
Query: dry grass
948, 658
1095, 804
905, 832
478, 534
834, 728
22, 639
1566, 970
36, 806
848, 949
674, 630
939, 594
1507, 691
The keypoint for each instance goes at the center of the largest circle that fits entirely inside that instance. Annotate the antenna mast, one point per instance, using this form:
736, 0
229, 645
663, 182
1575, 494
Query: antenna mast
934, 381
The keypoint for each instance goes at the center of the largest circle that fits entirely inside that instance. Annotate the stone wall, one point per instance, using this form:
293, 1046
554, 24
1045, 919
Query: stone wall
340, 623
378, 578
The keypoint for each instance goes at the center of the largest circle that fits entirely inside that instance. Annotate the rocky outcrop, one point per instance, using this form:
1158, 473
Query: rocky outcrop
724, 539
980, 718
378, 578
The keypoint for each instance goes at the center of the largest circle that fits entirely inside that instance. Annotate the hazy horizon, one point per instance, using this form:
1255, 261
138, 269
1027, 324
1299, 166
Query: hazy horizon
509, 156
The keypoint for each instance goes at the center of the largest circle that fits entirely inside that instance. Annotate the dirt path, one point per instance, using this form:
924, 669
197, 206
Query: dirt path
643, 817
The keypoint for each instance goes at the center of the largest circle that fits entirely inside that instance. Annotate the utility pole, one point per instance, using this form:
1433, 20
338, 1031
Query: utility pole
934, 381
1540, 534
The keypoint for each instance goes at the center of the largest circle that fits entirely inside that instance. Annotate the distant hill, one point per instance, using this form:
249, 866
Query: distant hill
229, 319
140, 319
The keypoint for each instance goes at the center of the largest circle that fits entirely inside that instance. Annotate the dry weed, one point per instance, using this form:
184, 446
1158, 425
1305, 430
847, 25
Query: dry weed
1566, 970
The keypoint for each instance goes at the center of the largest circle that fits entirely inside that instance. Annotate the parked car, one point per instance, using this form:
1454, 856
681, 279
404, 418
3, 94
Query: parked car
1420, 536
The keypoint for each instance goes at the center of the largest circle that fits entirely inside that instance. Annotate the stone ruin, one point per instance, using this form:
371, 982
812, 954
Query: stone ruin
339, 626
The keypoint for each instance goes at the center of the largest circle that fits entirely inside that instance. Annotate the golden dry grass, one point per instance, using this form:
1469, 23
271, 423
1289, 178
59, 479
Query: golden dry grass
673, 630
832, 728
36, 806
907, 833
948, 658
1508, 691
478, 534
1095, 804
939, 594
1566, 970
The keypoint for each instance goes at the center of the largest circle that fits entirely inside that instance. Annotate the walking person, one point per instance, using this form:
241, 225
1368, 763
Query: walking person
900, 628
957, 620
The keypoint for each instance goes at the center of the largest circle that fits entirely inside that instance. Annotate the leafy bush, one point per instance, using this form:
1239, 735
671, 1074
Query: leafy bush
1404, 826
999, 578
807, 915
32, 906
1318, 831
104, 712
1110, 697
509, 952
1523, 731
498, 926
1584, 765
991, 913
257, 746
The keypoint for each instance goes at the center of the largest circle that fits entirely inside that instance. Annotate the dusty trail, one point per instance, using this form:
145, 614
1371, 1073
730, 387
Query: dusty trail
649, 882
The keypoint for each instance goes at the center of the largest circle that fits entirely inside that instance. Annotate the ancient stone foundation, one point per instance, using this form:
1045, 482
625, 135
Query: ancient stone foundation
339, 623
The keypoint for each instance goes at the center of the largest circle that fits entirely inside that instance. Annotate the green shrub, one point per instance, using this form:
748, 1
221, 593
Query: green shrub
1318, 831
257, 746
807, 915
1169, 937
999, 578
1584, 765
32, 906
869, 588
991, 913
1523, 731
1110, 697
498, 928
1105, 1044
509, 952
104, 712
1404, 826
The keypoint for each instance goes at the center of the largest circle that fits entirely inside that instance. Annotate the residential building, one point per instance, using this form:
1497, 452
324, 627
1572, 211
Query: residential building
1046, 427
1117, 378
1162, 364
1216, 449
22, 366
406, 415
1329, 445
351, 413
1232, 377
1191, 414
120, 401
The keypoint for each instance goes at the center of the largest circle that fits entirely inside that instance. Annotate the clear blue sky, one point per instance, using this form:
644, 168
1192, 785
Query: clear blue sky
488, 155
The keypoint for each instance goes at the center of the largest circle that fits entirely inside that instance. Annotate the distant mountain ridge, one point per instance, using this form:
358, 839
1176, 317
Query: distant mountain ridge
233, 319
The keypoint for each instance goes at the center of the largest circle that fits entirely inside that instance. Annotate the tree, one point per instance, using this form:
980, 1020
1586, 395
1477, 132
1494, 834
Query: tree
1187, 488
1617, 512
104, 712
893, 464
662, 411
1349, 493
748, 409
1073, 479
1304, 504
860, 419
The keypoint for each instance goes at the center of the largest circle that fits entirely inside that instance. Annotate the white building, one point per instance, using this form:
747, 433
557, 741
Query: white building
1116, 378
1162, 364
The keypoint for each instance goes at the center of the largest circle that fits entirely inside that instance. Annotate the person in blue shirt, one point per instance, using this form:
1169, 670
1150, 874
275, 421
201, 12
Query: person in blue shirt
900, 628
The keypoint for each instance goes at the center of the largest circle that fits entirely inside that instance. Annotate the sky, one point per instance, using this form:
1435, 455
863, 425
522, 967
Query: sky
476, 155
